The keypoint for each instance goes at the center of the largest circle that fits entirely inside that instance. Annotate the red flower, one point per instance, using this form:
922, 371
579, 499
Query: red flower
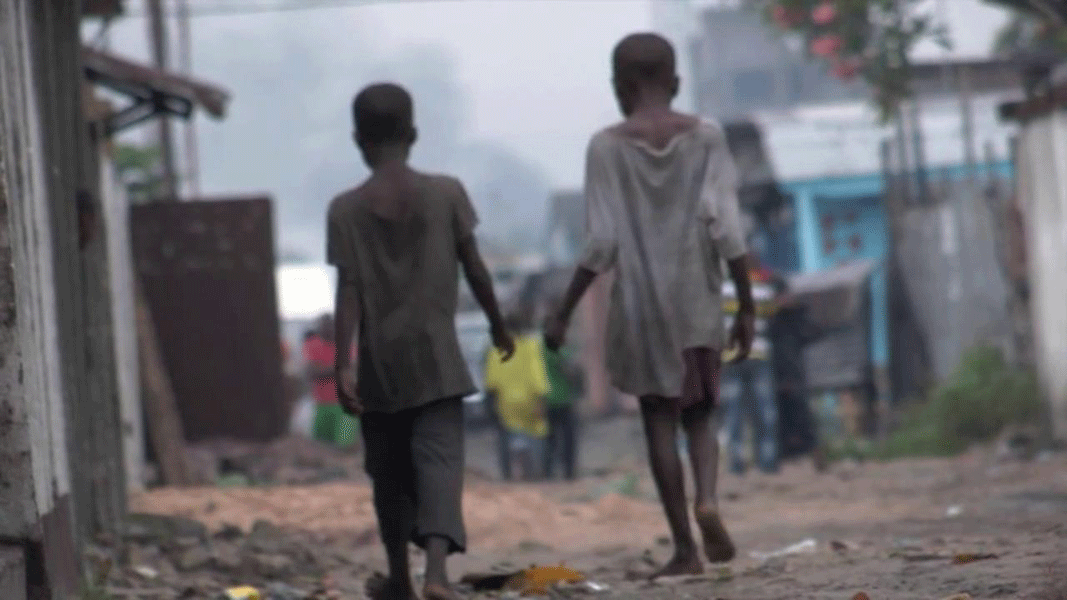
846, 69
824, 14
826, 46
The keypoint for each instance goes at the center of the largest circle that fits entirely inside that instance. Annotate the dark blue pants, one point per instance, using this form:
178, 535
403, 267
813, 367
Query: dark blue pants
748, 392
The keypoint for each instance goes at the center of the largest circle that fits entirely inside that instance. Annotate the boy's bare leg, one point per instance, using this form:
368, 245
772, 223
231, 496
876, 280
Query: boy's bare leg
396, 520
661, 435
704, 458
437, 587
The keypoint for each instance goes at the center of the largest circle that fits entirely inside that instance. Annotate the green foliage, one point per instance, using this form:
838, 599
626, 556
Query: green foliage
873, 39
140, 168
982, 398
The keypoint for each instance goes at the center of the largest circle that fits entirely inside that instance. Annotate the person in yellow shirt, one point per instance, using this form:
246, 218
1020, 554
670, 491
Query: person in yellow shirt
519, 387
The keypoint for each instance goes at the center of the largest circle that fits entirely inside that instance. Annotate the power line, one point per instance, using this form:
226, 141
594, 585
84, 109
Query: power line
221, 10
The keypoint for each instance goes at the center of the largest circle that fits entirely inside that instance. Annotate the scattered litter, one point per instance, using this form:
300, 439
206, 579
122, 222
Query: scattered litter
535, 580
917, 556
954, 511
242, 593
958, 597
588, 587
807, 546
146, 571
966, 559
861, 596
538, 580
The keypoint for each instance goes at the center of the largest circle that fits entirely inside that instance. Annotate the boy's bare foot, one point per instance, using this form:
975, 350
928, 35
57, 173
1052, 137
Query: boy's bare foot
681, 564
437, 591
380, 587
718, 547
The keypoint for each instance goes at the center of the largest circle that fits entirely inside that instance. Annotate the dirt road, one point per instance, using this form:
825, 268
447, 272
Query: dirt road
890, 530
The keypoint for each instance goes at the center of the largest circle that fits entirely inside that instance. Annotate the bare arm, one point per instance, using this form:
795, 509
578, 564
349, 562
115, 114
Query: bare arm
556, 328
744, 328
481, 284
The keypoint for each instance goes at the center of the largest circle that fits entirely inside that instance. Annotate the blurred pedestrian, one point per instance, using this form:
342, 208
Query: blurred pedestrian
790, 331
662, 213
398, 241
331, 425
564, 381
519, 387
749, 390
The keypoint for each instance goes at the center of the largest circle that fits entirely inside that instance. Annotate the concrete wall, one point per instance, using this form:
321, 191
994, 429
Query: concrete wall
58, 482
35, 488
33, 442
949, 258
1042, 188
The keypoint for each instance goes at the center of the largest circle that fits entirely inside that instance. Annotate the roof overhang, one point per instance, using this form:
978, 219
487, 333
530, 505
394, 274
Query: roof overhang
153, 91
1047, 98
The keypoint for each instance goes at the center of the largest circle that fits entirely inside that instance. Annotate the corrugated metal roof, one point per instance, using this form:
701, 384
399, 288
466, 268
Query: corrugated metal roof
141, 81
844, 139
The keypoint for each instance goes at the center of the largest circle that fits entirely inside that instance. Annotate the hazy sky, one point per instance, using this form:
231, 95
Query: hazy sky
534, 72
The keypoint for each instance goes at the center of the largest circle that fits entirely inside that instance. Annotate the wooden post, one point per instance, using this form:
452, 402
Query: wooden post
161, 408
157, 35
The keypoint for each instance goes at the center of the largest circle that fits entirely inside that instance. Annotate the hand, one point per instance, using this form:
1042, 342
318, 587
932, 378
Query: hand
503, 342
742, 334
346, 392
555, 333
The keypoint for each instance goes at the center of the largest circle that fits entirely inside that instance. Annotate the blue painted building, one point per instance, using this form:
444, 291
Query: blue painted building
826, 161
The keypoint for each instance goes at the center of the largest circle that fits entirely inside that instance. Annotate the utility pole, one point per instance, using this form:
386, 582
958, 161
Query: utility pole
157, 36
185, 60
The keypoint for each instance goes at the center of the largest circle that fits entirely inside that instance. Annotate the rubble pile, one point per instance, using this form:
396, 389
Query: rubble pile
181, 558
290, 460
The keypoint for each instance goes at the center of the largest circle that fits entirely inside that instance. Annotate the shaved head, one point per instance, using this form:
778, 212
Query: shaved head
383, 113
644, 58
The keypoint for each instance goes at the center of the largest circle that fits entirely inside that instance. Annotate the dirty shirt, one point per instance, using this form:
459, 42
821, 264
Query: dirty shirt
519, 385
664, 220
406, 273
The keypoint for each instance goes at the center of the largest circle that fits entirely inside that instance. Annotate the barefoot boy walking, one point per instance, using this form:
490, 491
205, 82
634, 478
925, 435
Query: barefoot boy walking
662, 210
398, 241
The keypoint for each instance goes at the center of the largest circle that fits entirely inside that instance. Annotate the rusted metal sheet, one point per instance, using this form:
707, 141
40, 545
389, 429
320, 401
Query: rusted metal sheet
207, 268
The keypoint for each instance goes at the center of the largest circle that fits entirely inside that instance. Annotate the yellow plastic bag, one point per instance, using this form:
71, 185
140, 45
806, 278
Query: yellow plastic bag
244, 592
536, 581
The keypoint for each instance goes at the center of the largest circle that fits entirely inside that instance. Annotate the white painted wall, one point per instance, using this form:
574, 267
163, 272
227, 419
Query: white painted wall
37, 394
1042, 158
116, 216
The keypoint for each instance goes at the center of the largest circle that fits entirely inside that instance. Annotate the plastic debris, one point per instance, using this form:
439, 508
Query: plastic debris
245, 592
807, 546
958, 597
966, 559
533, 581
954, 511
538, 580
861, 596
146, 571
